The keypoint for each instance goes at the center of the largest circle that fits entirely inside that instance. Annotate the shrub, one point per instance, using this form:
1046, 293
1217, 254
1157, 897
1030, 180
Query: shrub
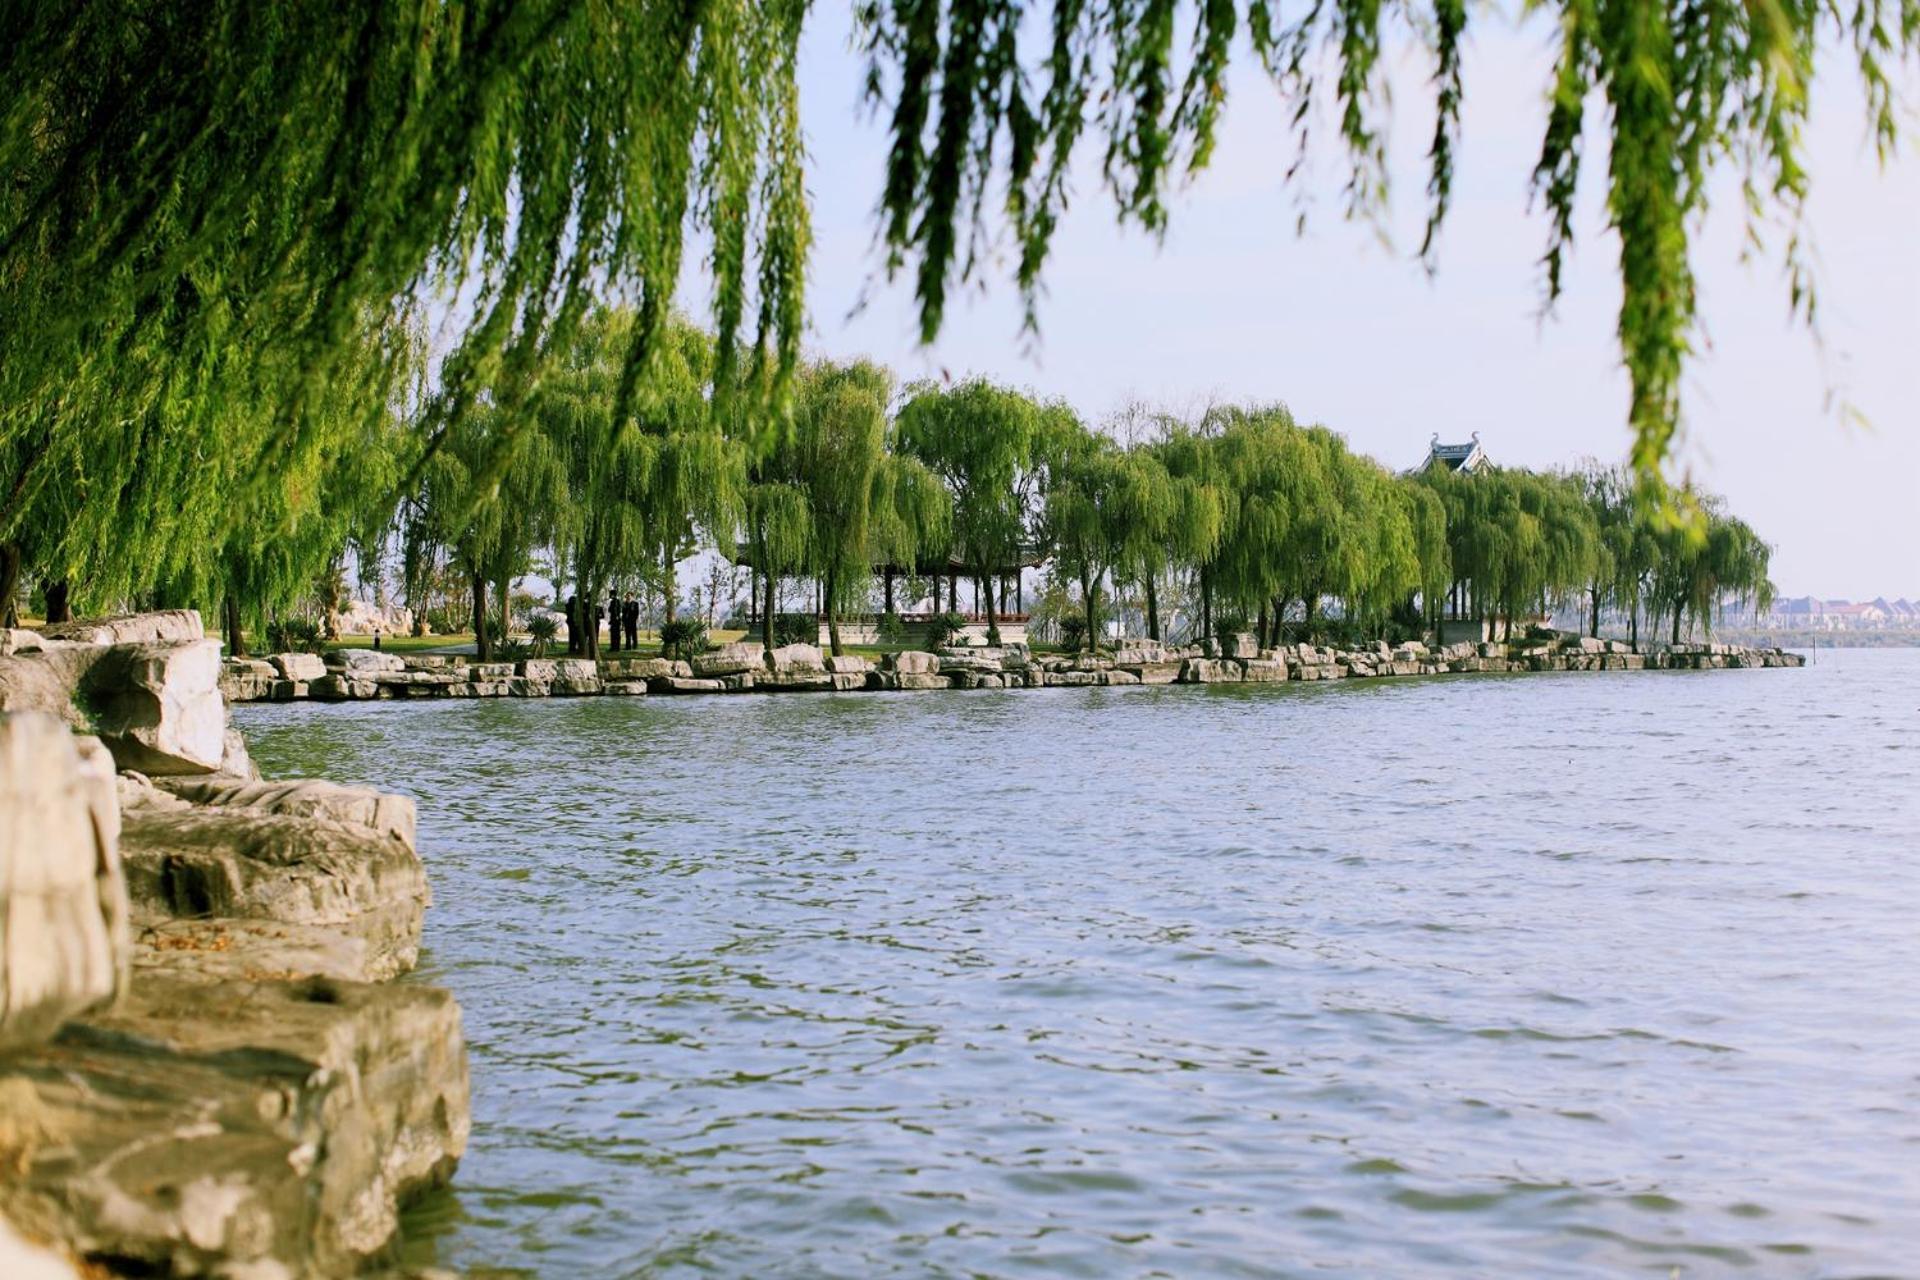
1228, 625
942, 628
1073, 632
891, 630
683, 639
796, 628
295, 635
543, 629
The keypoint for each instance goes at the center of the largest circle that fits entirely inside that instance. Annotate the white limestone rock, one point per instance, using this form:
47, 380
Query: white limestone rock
63, 900
158, 706
299, 666
166, 626
795, 658
911, 662
728, 660
363, 664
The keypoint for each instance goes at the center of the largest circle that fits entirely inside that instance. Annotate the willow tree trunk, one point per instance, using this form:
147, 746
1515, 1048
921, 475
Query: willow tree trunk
1261, 627
1678, 609
482, 645
1153, 609
766, 617
1089, 589
504, 584
236, 638
1593, 618
827, 598
9, 583
1633, 626
984, 586
887, 577
667, 588
1206, 604
57, 590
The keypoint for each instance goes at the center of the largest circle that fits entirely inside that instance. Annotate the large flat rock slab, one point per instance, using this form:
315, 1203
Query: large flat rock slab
386, 813
163, 626
237, 1129
208, 862
222, 948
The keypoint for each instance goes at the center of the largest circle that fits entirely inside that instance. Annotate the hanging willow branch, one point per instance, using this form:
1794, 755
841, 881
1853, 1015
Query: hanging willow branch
1688, 86
210, 209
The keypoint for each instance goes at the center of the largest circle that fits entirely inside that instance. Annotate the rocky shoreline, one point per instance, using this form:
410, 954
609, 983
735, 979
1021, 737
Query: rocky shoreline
365, 674
205, 1066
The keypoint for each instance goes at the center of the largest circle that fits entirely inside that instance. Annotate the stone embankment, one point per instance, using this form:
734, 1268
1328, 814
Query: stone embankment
204, 1070
360, 674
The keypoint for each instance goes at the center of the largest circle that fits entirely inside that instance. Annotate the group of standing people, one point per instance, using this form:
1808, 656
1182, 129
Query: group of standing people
584, 618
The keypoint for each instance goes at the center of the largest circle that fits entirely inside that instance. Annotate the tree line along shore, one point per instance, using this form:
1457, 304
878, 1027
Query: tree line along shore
867, 498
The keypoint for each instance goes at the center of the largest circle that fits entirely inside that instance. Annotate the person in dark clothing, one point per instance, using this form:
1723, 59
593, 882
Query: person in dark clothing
613, 621
573, 625
630, 614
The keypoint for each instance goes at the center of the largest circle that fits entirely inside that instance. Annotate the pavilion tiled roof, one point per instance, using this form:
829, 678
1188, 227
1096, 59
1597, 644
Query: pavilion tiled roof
1457, 457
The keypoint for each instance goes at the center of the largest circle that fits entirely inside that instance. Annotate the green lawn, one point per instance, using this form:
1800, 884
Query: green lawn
404, 644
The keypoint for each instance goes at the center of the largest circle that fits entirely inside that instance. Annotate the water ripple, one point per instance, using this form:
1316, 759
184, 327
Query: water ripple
1573, 975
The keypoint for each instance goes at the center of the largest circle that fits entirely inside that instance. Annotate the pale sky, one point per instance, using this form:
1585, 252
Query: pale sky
1353, 333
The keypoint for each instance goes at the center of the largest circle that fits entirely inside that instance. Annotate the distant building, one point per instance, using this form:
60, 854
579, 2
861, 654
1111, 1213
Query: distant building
1468, 457
1813, 613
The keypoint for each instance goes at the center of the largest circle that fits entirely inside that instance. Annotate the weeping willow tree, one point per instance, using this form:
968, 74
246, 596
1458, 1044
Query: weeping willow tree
865, 505
215, 215
1259, 456
1427, 521
1209, 508
1699, 570
989, 445
985, 122
1102, 505
834, 454
491, 497
1520, 541
644, 468
910, 513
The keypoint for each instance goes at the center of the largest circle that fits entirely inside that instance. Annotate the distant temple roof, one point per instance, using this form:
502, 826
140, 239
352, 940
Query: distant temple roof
1468, 457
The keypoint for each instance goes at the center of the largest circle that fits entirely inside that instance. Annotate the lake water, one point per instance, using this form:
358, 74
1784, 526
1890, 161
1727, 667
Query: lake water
1572, 975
